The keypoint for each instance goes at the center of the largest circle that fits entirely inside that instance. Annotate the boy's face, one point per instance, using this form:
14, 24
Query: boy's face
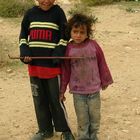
45, 4
79, 34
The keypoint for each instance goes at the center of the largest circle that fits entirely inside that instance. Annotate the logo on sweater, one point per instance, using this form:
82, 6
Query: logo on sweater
41, 34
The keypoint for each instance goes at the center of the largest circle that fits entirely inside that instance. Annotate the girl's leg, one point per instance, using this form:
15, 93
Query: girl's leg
82, 113
94, 113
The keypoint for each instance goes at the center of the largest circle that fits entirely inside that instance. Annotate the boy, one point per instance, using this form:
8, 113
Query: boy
42, 34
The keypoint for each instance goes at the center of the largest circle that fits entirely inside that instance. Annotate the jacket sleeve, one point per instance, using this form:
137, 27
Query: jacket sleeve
61, 46
23, 38
65, 75
105, 75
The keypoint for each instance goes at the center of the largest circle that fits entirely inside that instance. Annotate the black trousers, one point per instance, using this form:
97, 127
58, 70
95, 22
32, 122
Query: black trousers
50, 112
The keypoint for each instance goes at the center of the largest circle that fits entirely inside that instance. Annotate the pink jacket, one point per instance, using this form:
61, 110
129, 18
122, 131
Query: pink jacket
87, 75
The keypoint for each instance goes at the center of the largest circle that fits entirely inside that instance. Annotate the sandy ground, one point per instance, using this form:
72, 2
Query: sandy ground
118, 34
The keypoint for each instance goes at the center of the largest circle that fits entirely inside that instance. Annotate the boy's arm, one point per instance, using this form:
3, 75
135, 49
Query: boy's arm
61, 46
23, 38
105, 75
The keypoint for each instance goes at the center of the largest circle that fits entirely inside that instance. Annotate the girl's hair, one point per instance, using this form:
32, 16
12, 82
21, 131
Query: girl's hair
79, 20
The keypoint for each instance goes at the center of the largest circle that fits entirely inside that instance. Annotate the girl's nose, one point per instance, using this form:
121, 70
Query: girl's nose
78, 34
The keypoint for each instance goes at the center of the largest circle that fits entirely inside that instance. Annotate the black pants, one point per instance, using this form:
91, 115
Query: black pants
49, 110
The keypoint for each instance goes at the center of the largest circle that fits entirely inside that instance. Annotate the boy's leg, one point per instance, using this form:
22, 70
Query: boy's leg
94, 112
81, 109
41, 104
57, 108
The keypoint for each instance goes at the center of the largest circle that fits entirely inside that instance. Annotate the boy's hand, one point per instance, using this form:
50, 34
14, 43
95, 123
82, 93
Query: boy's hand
62, 97
27, 59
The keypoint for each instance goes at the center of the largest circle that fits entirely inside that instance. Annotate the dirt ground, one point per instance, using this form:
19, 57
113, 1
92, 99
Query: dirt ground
118, 33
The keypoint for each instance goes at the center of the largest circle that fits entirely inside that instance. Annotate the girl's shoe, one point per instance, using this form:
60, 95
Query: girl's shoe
67, 136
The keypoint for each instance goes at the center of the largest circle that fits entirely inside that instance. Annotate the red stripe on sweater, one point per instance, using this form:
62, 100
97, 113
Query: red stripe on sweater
43, 72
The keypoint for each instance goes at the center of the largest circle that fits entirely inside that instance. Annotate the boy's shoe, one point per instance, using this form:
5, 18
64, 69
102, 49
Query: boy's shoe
67, 136
42, 135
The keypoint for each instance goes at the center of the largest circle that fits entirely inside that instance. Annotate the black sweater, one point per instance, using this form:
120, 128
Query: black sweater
43, 34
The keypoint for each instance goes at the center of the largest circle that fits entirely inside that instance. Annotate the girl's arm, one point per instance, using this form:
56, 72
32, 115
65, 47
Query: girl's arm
65, 75
105, 75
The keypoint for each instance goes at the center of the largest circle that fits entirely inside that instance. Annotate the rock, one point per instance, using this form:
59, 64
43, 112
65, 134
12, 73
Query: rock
16, 125
64, 1
128, 48
5, 49
1, 20
128, 122
137, 111
1, 89
134, 99
125, 131
9, 71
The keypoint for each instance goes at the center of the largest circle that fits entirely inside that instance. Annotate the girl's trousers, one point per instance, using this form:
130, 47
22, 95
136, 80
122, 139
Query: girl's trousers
87, 108
50, 112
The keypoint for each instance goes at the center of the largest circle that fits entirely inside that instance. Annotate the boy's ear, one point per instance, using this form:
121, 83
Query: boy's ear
36, 2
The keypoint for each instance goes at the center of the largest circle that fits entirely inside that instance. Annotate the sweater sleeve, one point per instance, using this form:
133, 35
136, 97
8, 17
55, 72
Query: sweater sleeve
65, 75
61, 46
23, 38
105, 75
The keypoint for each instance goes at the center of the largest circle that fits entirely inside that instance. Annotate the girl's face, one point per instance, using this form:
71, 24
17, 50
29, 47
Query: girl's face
45, 4
79, 34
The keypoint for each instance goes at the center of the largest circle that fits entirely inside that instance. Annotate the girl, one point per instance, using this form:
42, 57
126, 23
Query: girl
86, 76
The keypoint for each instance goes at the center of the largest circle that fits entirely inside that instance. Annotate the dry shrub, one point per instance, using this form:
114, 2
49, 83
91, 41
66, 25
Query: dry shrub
14, 8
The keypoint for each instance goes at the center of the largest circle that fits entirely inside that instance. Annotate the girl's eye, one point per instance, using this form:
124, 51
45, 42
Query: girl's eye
82, 32
75, 32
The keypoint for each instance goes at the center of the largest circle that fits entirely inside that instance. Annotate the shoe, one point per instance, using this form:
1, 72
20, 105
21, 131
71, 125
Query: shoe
42, 135
67, 136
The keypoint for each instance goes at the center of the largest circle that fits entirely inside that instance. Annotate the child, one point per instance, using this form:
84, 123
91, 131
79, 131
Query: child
42, 34
86, 76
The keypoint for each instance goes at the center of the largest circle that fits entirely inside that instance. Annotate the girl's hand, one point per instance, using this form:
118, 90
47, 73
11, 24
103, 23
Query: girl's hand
62, 97
104, 87
27, 59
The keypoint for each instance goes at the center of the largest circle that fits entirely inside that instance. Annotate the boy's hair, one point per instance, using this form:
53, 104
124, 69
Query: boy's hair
79, 20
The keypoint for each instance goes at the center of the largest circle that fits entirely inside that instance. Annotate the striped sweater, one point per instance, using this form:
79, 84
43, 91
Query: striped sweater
43, 34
